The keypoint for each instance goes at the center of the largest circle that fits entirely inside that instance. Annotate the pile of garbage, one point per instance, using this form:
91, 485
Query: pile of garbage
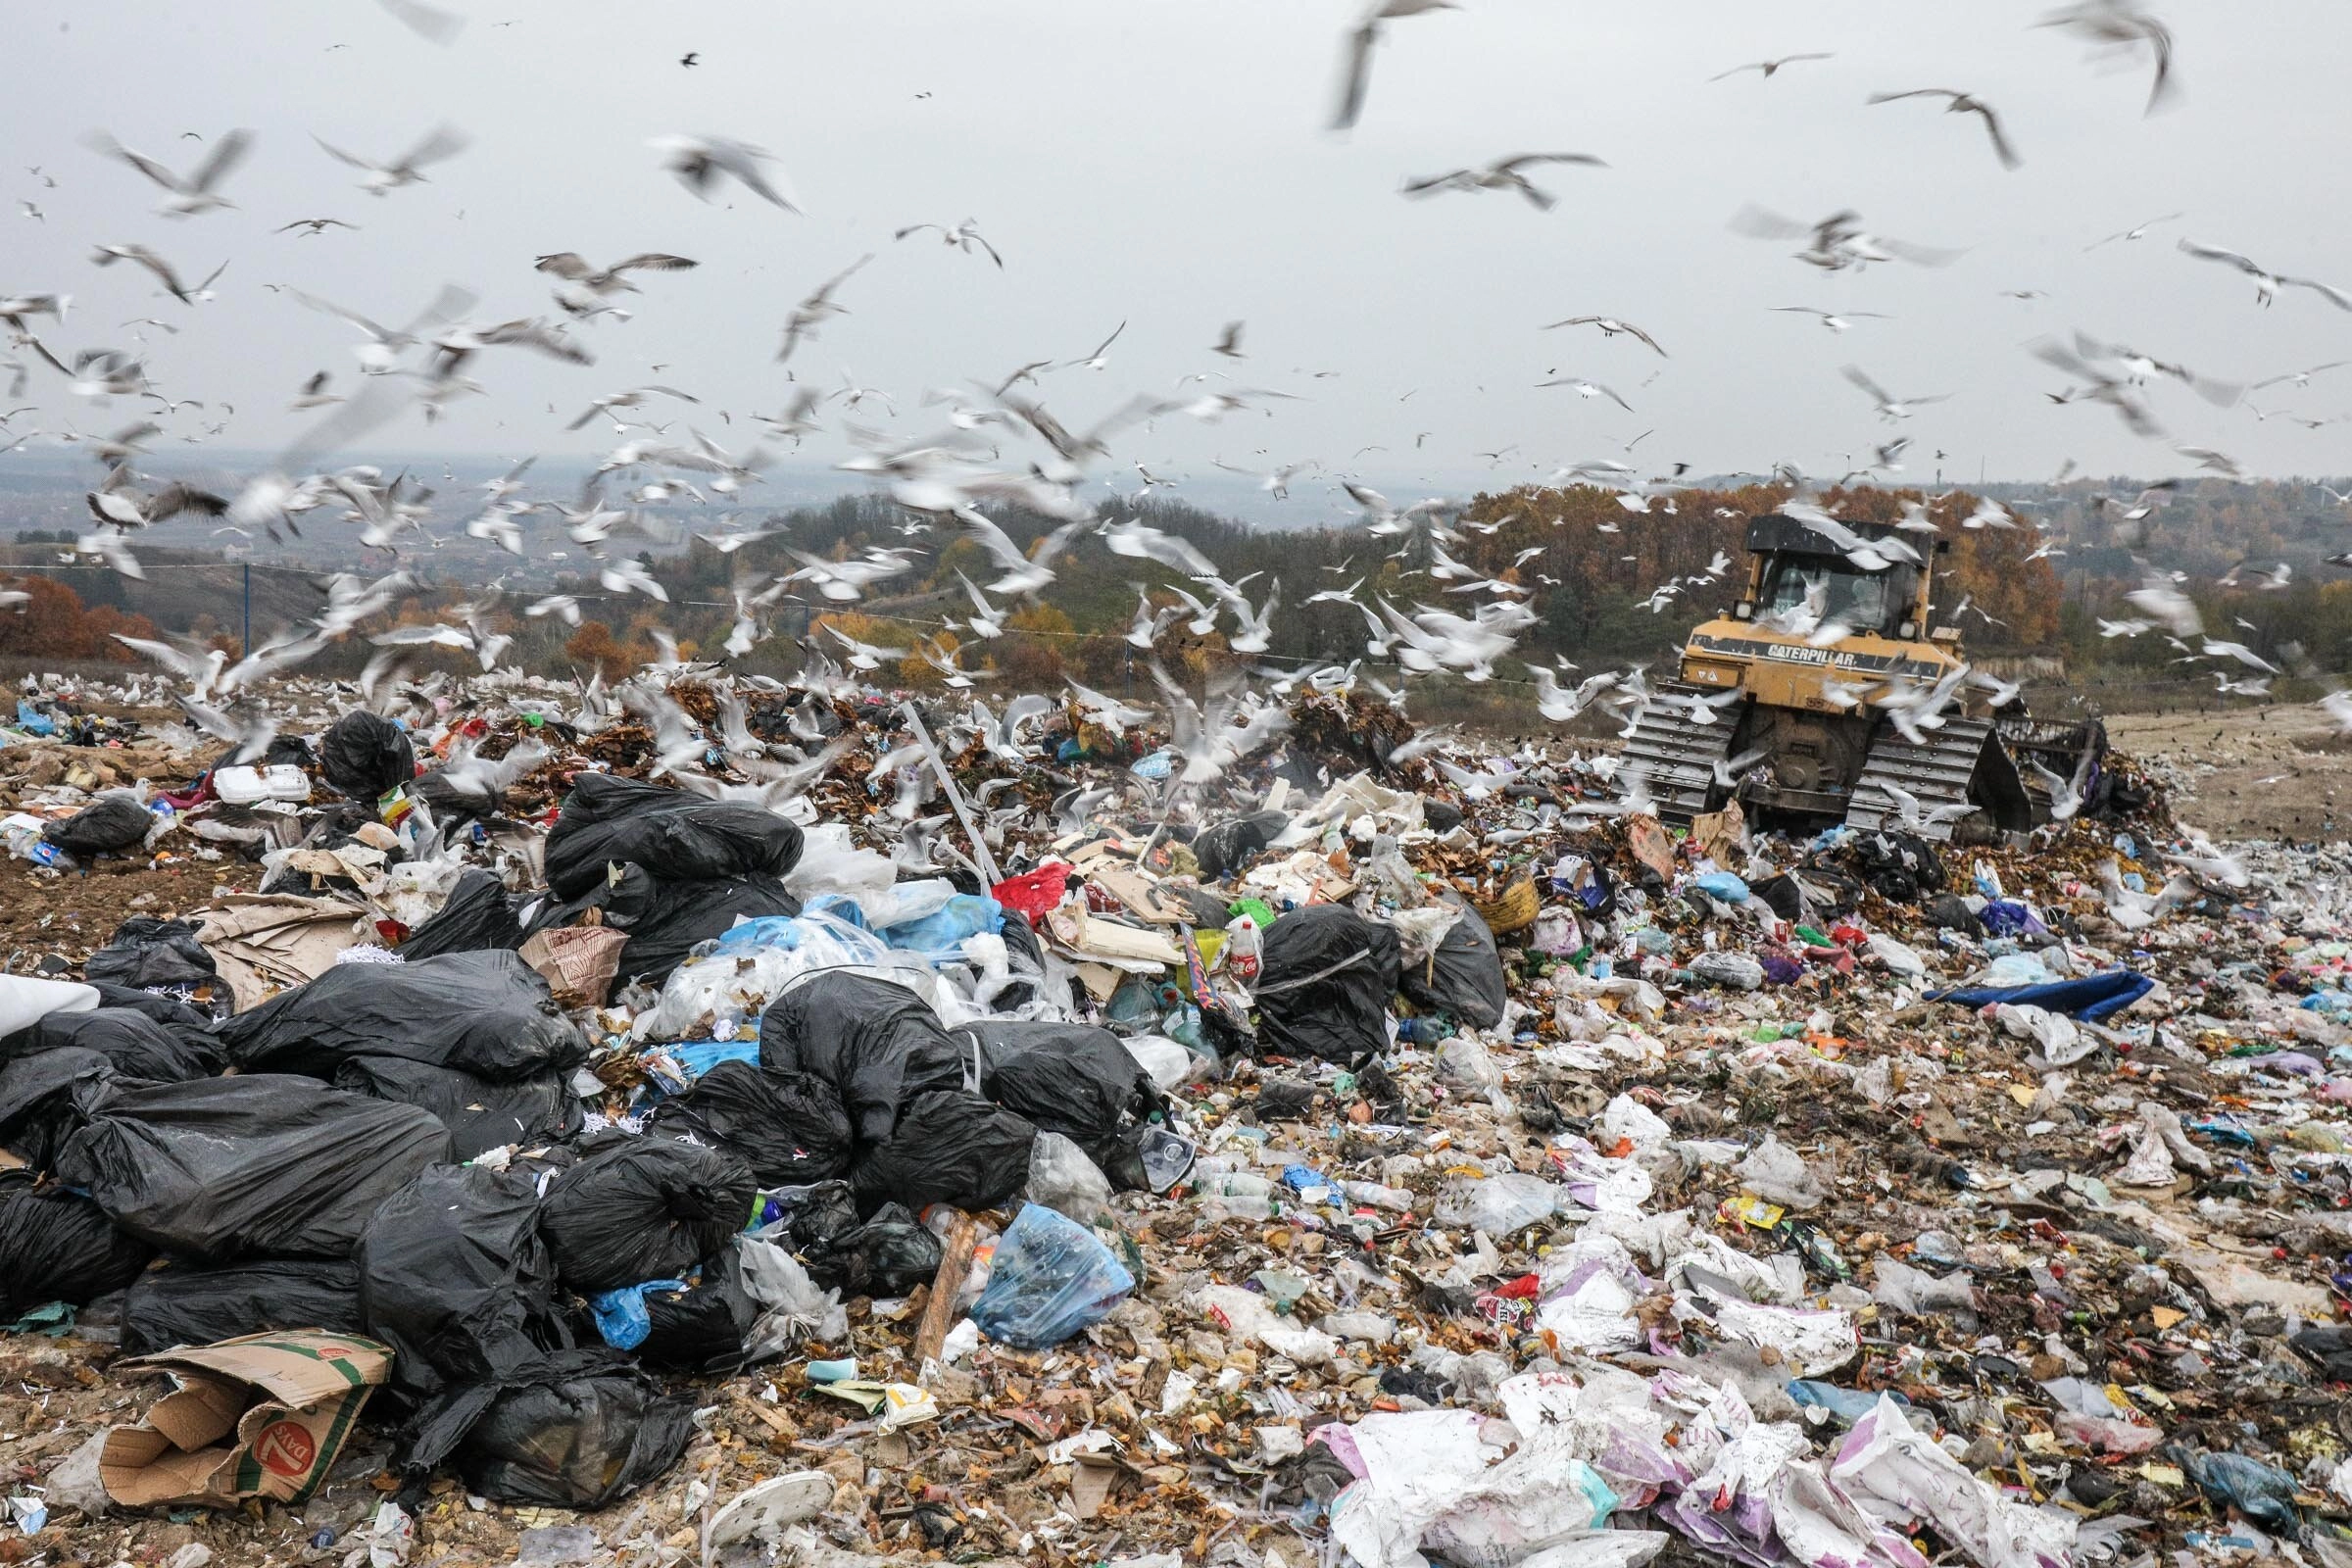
742, 1122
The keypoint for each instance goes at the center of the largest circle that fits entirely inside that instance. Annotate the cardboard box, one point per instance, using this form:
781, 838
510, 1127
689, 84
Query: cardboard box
261, 1416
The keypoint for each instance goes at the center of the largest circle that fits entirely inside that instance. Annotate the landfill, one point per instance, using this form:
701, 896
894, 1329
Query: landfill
766, 1124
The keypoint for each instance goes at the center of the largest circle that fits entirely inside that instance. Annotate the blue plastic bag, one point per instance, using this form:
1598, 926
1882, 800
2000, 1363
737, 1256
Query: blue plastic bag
944, 930
1727, 886
32, 722
1052, 1279
621, 1314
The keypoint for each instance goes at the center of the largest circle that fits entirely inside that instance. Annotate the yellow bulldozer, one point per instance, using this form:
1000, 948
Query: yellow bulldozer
1825, 695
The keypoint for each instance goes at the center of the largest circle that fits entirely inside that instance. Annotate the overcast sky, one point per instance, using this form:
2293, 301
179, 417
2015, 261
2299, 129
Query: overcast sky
1167, 164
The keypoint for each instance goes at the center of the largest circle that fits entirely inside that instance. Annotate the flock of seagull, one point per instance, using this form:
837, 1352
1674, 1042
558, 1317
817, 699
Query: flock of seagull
992, 445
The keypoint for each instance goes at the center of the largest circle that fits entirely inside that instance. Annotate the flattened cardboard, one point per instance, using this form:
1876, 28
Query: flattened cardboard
261, 1416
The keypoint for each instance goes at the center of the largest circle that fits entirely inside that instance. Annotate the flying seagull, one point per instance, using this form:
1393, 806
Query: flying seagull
963, 236
193, 193
1961, 103
1610, 327
2266, 285
1502, 174
699, 162
2121, 24
381, 180
1770, 67
1355, 74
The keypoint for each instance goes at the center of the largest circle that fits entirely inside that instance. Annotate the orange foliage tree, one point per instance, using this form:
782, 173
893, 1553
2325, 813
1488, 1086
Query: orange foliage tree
54, 624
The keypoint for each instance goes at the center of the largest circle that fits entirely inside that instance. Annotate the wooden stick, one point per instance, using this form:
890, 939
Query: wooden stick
939, 1313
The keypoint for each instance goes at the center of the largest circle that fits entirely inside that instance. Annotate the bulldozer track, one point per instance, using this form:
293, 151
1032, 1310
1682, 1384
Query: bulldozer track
1674, 756
1939, 773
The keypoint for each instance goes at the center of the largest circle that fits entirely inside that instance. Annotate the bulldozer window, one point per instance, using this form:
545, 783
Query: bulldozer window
1860, 599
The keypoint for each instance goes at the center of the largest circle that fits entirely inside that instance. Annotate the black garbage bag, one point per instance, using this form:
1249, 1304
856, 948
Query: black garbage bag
188, 1303
57, 1246
480, 1115
1025, 956
887, 1255
41, 1099
289, 751
1948, 911
488, 1013
2328, 1346
263, 1164
951, 1147
675, 835
1323, 983
1781, 895
1463, 977
134, 1045
455, 1277
366, 755
147, 952
583, 1430
108, 825
874, 1041
1228, 846
478, 914
638, 1208
675, 916
700, 1328
182, 1019
788, 1127
1070, 1078
1900, 867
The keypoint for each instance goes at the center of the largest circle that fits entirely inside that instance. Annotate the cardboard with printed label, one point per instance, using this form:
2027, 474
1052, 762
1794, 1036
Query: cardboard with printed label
261, 1416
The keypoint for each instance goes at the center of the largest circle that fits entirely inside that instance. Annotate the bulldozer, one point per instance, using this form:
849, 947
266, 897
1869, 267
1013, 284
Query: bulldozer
1825, 695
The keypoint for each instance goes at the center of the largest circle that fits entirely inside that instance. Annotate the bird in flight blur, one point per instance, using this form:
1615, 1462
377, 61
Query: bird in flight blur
194, 193
700, 160
1961, 103
1502, 174
1356, 68
1770, 67
381, 180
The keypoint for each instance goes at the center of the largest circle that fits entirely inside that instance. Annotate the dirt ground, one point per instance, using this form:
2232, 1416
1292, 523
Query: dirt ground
2280, 771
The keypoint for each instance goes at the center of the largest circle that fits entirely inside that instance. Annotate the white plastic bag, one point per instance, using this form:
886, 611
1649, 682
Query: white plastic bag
1063, 1179
1498, 1204
794, 1312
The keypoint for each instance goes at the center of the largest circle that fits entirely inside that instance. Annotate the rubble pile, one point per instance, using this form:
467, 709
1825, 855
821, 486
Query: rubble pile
727, 1123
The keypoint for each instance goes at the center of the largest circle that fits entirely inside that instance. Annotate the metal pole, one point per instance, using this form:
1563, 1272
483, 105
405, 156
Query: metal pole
245, 640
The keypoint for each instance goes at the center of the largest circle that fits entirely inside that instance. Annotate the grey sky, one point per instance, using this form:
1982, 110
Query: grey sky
1167, 164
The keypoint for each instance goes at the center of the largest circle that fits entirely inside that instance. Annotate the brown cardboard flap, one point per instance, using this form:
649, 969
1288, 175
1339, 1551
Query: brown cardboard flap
139, 1467
297, 1366
200, 1412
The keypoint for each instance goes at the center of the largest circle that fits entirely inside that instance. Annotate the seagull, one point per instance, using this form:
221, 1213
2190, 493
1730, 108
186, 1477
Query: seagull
32, 212
2266, 285
1587, 389
987, 619
1502, 174
816, 308
589, 286
312, 228
107, 254
1355, 74
1888, 407
2121, 24
2138, 231
1610, 327
963, 236
633, 398
1770, 67
315, 394
194, 193
1228, 343
1916, 816
1839, 242
1835, 321
699, 162
381, 180
1099, 359
1961, 103
691, 59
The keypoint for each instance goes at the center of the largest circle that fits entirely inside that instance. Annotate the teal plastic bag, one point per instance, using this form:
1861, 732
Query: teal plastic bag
1052, 1278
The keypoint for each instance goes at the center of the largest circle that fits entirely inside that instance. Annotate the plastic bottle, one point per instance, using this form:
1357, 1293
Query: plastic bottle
1238, 1208
1232, 1184
1424, 1031
1379, 1197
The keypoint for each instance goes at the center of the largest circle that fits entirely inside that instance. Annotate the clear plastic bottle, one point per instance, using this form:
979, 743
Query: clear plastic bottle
1379, 1197
1233, 1184
1239, 1207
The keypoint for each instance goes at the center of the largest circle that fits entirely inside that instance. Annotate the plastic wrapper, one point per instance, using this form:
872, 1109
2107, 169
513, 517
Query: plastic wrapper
1772, 1170
583, 1430
674, 835
794, 1310
831, 862
950, 1146
1324, 986
1733, 971
57, 1246
147, 952
259, 1164
487, 1014
789, 1128
1063, 1179
367, 756
188, 1303
875, 1042
1498, 1204
454, 1277
480, 1115
642, 1209
1052, 1279
112, 824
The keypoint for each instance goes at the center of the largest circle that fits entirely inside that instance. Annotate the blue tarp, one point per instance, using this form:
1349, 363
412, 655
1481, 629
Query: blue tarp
2089, 998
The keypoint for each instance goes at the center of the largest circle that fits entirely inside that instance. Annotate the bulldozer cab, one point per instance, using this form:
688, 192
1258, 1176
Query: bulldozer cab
1825, 695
